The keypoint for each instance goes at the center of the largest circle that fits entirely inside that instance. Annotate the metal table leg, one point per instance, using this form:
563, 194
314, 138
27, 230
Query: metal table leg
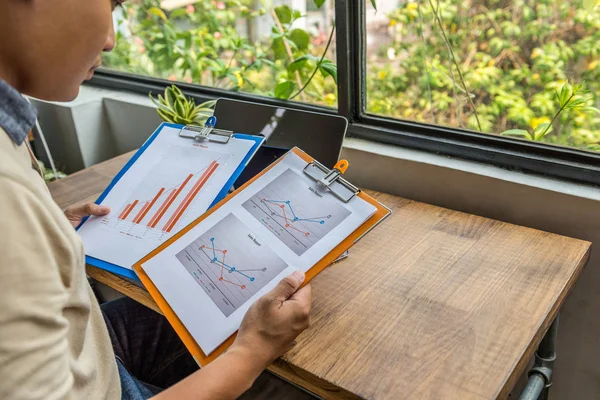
540, 376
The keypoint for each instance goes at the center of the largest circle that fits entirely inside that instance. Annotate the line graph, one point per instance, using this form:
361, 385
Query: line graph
225, 267
295, 211
230, 263
289, 221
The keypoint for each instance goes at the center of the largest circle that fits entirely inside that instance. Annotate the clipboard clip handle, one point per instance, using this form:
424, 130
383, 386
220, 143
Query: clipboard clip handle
338, 169
331, 179
209, 125
206, 132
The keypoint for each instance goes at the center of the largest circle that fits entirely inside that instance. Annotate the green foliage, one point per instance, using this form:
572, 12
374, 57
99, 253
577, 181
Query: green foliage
49, 174
513, 57
175, 107
494, 66
284, 89
200, 44
570, 97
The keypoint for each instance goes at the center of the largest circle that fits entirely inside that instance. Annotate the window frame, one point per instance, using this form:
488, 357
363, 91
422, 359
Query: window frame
509, 153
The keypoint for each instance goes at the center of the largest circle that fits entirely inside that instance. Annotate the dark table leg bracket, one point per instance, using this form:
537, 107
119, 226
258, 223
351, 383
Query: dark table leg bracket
540, 376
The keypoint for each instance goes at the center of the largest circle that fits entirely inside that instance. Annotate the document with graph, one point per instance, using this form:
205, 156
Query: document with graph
168, 183
207, 276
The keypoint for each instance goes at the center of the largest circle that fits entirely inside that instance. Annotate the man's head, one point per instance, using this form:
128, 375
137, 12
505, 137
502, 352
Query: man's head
49, 47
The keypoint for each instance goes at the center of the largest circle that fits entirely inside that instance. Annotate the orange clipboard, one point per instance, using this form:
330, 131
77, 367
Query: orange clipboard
193, 347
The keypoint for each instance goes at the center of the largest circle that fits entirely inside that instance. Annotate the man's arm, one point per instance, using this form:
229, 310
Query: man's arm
268, 330
34, 352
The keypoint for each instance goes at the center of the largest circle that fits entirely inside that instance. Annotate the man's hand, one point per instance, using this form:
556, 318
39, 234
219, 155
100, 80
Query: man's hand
268, 330
78, 212
275, 320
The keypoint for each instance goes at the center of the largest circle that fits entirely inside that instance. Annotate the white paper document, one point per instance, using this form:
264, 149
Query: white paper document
281, 222
173, 182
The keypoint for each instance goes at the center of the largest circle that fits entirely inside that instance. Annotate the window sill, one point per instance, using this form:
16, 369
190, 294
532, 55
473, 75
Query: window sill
388, 168
103, 123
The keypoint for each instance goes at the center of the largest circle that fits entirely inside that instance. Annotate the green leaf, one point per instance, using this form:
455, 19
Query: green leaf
180, 109
179, 13
374, 4
588, 5
158, 13
207, 106
279, 49
301, 38
578, 88
284, 14
290, 43
592, 109
563, 96
576, 103
541, 131
300, 62
165, 116
517, 133
319, 3
284, 90
328, 68
172, 96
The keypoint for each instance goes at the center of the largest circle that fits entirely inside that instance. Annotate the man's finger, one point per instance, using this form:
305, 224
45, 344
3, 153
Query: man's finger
303, 296
88, 209
288, 286
95, 209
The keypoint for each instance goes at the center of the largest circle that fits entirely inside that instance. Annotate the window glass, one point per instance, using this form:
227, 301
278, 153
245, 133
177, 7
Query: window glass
523, 68
270, 48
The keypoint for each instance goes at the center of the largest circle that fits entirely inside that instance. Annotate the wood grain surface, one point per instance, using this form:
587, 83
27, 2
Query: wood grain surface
433, 304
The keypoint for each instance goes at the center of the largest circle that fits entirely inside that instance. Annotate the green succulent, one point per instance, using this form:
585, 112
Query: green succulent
176, 108
49, 175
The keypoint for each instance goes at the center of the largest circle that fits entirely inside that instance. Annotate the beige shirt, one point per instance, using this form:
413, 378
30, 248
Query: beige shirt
53, 340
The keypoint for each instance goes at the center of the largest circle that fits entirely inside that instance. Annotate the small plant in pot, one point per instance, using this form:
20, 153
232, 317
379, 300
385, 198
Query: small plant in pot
173, 106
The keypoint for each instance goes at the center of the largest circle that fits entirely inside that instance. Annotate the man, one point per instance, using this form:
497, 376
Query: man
55, 340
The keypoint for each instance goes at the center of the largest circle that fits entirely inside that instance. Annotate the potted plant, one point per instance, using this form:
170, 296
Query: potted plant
176, 108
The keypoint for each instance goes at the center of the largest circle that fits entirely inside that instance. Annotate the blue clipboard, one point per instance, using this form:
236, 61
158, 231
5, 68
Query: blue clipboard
128, 273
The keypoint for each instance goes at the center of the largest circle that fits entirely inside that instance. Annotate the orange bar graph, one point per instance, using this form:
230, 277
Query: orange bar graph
190, 196
161, 212
124, 211
126, 214
161, 208
142, 214
139, 214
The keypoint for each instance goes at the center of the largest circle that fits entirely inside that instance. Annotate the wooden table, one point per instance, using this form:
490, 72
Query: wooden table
433, 304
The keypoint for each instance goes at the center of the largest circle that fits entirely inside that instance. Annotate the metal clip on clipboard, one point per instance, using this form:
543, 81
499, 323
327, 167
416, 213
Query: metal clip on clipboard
331, 179
206, 132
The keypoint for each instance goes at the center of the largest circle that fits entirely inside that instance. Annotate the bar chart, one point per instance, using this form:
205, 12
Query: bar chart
166, 200
164, 187
157, 207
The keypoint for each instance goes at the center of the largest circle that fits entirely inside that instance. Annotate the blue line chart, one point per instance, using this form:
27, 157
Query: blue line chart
285, 207
216, 253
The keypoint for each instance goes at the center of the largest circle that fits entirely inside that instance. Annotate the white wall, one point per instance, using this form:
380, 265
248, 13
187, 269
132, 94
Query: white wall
101, 124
